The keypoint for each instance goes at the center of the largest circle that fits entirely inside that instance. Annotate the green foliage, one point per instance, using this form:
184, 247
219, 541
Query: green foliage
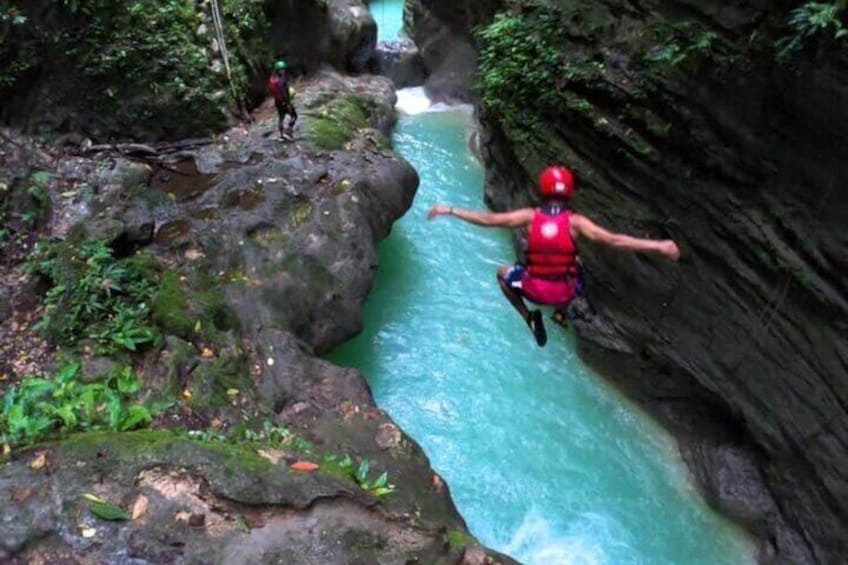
345, 467
146, 52
813, 20
681, 42
170, 307
38, 407
270, 435
530, 74
284, 439
109, 512
11, 20
26, 200
94, 296
519, 63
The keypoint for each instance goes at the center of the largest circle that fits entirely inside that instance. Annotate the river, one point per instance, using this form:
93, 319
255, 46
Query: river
545, 461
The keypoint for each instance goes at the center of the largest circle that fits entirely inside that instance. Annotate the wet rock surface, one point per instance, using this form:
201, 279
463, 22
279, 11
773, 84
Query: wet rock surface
740, 349
339, 33
401, 61
440, 32
268, 252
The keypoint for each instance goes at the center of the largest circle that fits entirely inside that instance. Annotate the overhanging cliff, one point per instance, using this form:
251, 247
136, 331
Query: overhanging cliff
704, 122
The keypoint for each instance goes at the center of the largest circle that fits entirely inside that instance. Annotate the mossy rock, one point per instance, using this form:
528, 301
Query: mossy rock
459, 539
183, 311
212, 379
170, 307
331, 126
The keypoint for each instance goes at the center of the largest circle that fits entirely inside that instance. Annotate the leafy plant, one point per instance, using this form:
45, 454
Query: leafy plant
378, 487
37, 407
529, 73
109, 512
519, 62
680, 42
93, 295
270, 435
813, 19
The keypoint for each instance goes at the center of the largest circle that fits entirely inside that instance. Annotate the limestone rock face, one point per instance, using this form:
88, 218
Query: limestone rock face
400, 60
339, 33
681, 121
440, 32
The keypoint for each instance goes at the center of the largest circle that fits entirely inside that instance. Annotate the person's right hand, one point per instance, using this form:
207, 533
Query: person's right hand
670, 250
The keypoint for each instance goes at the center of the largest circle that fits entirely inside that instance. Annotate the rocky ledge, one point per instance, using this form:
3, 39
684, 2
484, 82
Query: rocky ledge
264, 252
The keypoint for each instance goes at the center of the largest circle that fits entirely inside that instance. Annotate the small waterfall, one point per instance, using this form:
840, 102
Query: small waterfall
414, 101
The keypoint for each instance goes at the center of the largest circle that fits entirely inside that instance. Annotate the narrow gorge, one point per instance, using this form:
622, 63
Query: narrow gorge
180, 287
722, 125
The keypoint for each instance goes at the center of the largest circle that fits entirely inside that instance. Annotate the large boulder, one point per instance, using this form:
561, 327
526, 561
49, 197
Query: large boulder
400, 60
339, 33
196, 502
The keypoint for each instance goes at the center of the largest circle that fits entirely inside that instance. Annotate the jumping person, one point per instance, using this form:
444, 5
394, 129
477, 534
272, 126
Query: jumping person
551, 275
278, 84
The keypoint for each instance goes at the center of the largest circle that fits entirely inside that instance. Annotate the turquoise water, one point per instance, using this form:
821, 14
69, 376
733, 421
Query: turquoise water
389, 17
544, 461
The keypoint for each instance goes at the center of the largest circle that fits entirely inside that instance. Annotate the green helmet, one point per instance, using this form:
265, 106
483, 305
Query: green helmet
280, 65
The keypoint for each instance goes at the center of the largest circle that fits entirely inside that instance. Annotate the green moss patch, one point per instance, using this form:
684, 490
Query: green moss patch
334, 124
170, 307
192, 308
458, 539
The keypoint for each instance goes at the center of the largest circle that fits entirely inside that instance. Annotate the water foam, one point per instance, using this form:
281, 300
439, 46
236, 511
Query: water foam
536, 542
414, 101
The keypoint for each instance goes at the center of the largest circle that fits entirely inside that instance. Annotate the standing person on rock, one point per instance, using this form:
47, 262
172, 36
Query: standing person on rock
551, 275
278, 84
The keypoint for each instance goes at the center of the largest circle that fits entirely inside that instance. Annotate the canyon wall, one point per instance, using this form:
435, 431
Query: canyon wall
719, 125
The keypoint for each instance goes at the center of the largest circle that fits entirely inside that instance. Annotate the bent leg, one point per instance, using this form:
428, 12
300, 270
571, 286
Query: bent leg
513, 295
532, 319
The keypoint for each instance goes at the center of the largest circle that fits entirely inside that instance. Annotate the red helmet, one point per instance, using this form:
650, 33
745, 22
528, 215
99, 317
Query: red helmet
556, 181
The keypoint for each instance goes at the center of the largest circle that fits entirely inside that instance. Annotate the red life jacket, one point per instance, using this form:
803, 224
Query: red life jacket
276, 86
551, 252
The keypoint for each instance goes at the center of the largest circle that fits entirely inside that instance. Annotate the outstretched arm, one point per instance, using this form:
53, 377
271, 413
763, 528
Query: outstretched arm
583, 227
514, 219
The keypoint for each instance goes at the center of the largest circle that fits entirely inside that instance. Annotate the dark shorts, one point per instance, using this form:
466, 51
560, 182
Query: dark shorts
284, 108
558, 292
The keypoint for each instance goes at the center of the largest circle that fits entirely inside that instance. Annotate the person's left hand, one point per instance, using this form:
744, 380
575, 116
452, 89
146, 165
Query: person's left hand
438, 210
